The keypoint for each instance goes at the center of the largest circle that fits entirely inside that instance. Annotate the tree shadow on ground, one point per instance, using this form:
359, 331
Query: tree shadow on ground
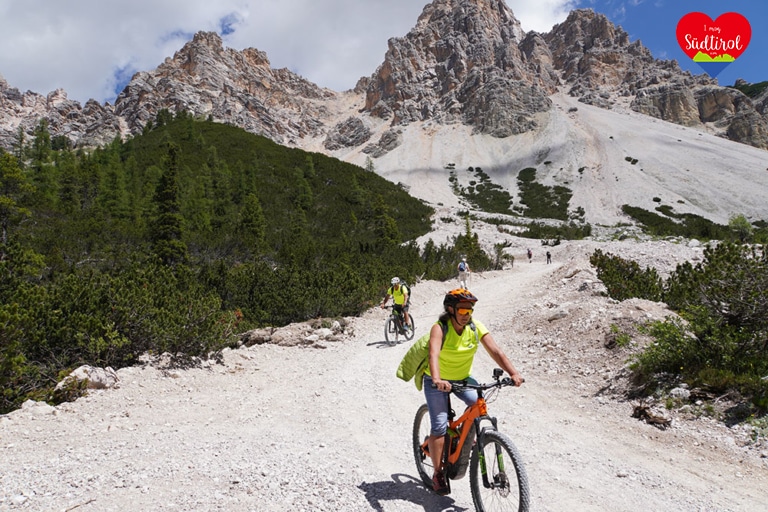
407, 488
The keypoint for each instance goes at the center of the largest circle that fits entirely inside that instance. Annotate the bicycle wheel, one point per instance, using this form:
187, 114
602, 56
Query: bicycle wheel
421, 429
409, 333
497, 476
390, 330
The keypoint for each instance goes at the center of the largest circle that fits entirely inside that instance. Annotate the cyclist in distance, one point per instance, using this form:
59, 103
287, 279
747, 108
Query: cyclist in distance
400, 296
451, 358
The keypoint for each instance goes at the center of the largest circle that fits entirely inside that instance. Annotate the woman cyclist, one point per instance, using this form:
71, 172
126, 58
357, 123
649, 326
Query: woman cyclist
451, 358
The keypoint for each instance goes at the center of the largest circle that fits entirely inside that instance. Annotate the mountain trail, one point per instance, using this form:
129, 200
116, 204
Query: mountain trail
327, 427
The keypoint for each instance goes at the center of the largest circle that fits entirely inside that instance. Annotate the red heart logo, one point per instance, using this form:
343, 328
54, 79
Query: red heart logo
722, 40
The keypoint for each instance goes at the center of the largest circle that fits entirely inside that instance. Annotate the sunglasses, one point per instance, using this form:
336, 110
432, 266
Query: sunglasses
464, 311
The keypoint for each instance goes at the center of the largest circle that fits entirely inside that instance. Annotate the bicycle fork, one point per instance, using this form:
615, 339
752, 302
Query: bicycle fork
500, 480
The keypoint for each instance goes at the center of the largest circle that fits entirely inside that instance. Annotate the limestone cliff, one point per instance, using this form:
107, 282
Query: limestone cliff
465, 62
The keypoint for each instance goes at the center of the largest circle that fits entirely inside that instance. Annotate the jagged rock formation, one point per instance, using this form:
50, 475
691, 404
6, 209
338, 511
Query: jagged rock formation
240, 88
600, 65
349, 133
465, 62
90, 125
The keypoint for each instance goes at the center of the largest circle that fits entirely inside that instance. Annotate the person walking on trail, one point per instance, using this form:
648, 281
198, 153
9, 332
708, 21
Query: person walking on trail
401, 296
463, 268
549, 257
530, 255
450, 359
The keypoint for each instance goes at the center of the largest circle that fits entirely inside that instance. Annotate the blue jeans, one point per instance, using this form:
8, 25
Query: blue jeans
439, 404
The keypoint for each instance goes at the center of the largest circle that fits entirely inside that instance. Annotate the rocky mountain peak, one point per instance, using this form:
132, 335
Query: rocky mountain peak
599, 63
227, 85
601, 66
465, 62
461, 63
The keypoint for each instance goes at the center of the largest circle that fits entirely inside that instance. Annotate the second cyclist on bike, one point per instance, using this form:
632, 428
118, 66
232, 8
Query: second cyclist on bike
450, 359
401, 296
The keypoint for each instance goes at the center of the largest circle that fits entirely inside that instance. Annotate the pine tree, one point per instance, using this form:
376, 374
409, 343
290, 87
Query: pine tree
44, 175
253, 225
167, 227
114, 194
13, 187
70, 193
384, 225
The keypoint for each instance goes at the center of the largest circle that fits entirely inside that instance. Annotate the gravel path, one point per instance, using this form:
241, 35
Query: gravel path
326, 427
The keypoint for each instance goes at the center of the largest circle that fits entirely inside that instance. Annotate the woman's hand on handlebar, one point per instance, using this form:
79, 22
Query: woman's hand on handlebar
515, 379
442, 385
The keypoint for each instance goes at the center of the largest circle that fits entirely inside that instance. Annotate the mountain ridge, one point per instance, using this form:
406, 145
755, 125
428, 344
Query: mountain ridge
467, 75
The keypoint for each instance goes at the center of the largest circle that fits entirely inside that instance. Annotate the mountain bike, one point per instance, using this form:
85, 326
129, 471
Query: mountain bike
395, 326
497, 476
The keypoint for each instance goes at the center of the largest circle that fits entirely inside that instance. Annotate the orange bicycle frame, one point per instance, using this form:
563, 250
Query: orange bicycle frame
476, 410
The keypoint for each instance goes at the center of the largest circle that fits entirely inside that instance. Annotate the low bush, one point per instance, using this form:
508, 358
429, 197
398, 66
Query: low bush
625, 279
719, 341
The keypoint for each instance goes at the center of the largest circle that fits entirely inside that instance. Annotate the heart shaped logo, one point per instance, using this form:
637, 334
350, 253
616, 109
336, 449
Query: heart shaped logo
713, 44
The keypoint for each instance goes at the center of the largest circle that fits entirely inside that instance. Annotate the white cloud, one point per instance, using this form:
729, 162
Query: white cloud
80, 45
88, 47
541, 15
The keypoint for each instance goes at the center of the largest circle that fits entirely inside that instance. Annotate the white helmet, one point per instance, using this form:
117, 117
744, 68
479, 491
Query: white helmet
395, 280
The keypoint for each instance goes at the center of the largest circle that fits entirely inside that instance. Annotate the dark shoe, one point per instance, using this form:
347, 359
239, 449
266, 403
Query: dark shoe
439, 484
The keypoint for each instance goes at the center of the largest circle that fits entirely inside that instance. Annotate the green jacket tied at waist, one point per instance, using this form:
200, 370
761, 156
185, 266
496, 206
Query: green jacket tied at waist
415, 362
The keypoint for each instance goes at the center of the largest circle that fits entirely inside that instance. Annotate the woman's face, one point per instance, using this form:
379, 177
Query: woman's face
464, 312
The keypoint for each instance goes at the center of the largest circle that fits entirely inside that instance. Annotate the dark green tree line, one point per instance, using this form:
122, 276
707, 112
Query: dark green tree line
175, 240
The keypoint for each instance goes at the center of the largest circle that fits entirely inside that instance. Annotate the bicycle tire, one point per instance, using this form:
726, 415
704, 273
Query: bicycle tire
509, 486
421, 430
390, 330
412, 324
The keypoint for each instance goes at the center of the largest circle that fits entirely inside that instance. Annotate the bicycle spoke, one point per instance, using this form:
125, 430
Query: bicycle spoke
497, 477
421, 429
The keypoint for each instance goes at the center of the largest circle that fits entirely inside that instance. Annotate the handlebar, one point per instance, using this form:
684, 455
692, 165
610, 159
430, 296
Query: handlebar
460, 385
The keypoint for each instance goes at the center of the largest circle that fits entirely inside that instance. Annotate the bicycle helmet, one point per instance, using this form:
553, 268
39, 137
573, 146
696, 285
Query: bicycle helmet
395, 280
453, 297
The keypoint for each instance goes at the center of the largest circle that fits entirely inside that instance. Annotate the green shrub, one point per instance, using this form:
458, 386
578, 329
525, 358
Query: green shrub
482, 193
751, 90
570, 231
686, 225
624, 279
541, 201
718, 342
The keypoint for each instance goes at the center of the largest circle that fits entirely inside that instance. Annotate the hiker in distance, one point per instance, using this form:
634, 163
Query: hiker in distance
450, 358
464, 270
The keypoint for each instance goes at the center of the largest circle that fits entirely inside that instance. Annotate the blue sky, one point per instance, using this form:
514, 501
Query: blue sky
91, 48
654, 23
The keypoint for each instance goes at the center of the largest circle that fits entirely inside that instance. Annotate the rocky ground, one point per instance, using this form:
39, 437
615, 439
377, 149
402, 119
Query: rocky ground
313, 423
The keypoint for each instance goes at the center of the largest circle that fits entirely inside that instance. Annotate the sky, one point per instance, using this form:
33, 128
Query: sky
91, 48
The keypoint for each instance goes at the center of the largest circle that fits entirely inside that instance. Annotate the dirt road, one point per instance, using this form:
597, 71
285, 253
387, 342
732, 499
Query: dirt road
327, 426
